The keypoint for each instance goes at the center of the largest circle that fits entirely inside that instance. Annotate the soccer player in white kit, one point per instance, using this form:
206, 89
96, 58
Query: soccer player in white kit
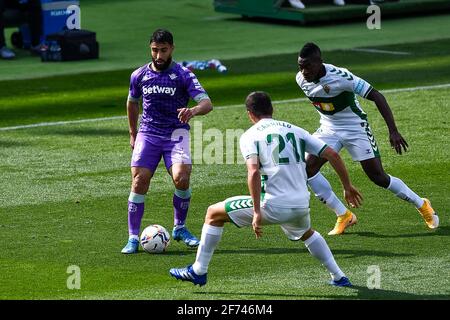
343, 124
274, 152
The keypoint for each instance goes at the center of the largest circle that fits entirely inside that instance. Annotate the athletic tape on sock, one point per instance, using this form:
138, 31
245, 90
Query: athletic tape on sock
136, 198
183, 194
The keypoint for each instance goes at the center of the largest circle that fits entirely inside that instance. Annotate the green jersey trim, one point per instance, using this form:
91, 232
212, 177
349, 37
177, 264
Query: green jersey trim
243, 202
373, 142
322, 150
302, 149
359, 112
264, 179
342, 73
367, 92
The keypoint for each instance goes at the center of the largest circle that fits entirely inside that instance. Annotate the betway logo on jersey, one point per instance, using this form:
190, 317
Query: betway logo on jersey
157, 89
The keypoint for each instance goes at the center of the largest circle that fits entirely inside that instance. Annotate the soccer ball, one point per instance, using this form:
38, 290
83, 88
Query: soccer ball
155, 239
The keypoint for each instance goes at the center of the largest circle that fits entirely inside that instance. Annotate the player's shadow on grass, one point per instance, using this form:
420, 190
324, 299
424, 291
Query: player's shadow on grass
441, 231
300, 250
13, 144
380, 294
170, 252
355, 292
366, 293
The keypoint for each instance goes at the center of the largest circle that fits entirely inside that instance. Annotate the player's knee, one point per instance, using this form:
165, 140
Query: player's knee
181, 181
210, 215
213, 216
140, 184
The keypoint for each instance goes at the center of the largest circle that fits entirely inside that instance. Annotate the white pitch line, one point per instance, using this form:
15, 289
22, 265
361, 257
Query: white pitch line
58, 123
398, 53
436, 86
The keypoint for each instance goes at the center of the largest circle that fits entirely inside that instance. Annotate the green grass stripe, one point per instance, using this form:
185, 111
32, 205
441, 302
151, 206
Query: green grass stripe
81, 96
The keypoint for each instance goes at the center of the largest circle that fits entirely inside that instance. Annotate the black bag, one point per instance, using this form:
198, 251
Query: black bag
70, 45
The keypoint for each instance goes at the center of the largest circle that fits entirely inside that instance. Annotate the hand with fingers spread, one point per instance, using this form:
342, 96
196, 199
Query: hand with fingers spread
185, 114
397, 142
353, 196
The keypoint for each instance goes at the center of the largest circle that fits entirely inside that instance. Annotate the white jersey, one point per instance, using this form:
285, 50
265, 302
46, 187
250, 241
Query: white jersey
334, 97
281, 147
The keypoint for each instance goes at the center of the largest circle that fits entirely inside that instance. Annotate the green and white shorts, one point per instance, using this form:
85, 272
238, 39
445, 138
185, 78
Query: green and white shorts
293, 221
359, 141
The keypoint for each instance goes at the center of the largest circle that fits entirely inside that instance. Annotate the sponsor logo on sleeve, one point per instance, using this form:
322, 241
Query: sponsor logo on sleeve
359, 87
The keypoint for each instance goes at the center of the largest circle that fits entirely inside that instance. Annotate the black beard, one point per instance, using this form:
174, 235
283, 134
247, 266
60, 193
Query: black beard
163, 66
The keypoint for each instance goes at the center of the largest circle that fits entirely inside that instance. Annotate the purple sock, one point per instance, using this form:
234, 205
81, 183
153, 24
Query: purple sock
181, 200
135, 213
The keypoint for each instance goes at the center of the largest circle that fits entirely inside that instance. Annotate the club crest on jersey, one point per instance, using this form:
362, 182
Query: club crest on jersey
326, 88
157, 89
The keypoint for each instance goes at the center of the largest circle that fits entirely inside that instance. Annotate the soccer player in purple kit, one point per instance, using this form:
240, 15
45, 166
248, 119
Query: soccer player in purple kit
165, 87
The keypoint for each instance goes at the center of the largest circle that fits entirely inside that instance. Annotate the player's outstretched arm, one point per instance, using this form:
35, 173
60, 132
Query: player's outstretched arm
351, 194
254, 186
203, 107
395, 138
133, 116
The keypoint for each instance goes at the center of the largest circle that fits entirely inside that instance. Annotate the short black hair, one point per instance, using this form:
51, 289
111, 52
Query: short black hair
162, 36
310, 49
259, 104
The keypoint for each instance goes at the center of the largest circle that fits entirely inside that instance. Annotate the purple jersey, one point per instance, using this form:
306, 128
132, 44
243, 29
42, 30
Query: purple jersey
162, 94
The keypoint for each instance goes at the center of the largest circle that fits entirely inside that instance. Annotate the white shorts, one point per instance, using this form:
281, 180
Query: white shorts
293, 221
359, 141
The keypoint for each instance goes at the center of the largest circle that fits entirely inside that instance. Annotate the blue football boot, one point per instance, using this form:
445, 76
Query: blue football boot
342, 282
184, 235
131, 247
188, 274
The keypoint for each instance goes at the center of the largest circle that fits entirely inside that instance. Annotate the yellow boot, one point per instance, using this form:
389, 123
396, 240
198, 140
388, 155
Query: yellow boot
428, 214
343, 222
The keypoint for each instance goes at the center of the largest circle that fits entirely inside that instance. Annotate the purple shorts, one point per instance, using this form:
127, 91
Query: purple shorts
148, 150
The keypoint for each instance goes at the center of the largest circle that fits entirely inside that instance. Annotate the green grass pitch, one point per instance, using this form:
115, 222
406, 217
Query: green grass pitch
64, 188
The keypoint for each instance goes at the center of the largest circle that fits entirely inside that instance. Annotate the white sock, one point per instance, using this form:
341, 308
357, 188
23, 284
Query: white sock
319, 249
133, 236
210, 238
401, 190
323, 191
